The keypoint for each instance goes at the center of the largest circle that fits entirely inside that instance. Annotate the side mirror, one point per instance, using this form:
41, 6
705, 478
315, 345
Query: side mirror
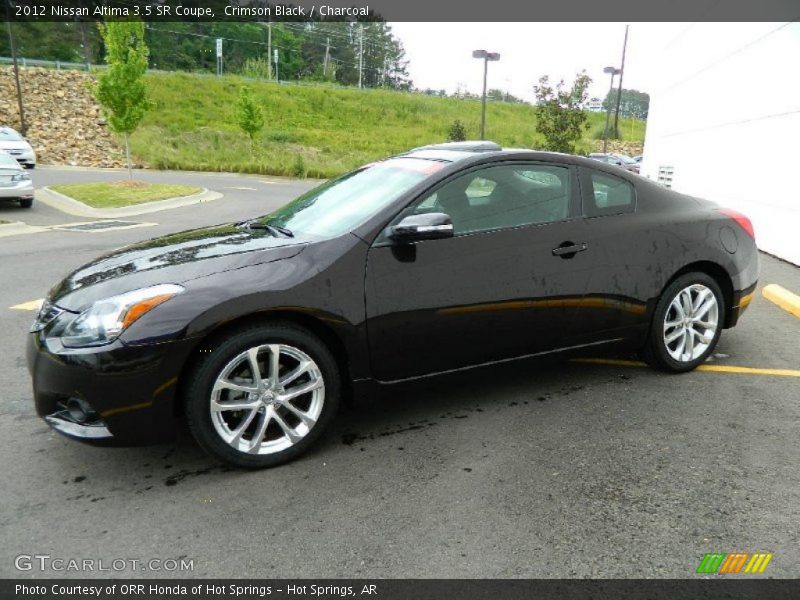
428, 226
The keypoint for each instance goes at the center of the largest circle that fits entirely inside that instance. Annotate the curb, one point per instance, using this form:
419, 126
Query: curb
783, 298
73, 207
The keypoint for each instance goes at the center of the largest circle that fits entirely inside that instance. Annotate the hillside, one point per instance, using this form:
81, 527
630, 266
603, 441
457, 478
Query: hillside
310, 130
64, 122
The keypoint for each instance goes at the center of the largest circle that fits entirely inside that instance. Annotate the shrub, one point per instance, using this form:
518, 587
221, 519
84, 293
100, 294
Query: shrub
458, 132
299, 167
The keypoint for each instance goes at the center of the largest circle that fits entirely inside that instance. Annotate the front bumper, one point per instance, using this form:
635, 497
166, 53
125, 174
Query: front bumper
129, 392
21, 189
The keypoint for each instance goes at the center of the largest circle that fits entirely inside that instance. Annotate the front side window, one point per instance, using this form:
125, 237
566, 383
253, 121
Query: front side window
609, 195
501, 197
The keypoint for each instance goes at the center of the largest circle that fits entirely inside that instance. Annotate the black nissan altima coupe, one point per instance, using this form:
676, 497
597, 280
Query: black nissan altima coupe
445, 258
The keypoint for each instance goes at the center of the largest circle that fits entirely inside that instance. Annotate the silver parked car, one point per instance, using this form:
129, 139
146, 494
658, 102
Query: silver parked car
15, 183
17, 146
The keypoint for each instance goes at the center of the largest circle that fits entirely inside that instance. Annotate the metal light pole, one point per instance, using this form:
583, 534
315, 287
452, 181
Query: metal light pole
486, 56
613, 71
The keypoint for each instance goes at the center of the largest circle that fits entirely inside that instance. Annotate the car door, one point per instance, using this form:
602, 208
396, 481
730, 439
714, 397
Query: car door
613, 230
493, 291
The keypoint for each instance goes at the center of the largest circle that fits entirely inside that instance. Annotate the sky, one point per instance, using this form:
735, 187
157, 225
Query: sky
440, 54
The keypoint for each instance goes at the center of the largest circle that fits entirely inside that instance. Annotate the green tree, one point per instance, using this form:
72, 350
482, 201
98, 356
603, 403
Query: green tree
120, 88
560, 118
633, 104
249, 115
499, 95
458, 132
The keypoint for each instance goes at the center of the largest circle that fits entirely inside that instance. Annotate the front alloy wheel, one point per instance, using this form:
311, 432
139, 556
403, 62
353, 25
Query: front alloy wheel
262, 395
267, 399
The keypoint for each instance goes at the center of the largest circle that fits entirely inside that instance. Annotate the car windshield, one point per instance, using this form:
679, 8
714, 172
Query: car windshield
342, 204
626, 159
9, 135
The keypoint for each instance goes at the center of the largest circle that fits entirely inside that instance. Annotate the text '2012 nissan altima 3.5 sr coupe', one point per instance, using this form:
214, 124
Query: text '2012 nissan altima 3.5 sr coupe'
444, 258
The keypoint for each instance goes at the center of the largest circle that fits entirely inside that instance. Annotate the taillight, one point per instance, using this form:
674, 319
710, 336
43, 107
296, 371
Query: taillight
742, 220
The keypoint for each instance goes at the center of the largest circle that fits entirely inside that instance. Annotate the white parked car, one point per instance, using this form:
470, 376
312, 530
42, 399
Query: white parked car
18, 147
15, 183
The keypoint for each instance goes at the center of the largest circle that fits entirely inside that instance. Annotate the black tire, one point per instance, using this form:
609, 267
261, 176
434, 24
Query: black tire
26, 203
655, 352
202, 377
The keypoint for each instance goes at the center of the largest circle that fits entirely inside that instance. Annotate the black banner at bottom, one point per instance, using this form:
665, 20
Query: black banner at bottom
398, 589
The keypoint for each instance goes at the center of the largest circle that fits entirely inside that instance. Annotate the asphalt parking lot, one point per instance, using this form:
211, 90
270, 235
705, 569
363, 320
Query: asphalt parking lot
536, 469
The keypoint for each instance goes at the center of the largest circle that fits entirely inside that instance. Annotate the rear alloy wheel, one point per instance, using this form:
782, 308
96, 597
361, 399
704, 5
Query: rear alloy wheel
686, 325
263, 396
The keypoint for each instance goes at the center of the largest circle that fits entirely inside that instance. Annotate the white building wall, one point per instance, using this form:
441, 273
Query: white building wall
727, 119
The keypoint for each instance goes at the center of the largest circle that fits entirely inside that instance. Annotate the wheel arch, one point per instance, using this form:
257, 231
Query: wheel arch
719, 274
303, 319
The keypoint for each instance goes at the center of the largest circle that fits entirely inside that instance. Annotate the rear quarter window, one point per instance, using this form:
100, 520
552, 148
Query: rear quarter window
607, 195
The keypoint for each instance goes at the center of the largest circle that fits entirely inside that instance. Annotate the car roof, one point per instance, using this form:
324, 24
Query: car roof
458, 157
479, 151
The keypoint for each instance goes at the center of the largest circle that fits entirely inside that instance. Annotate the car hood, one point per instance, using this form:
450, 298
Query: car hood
174, 258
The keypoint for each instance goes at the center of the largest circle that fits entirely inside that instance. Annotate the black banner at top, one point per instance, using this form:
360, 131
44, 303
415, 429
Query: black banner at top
406, 10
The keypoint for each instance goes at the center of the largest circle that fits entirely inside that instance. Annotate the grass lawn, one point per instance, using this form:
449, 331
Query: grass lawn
313, 131
122, 193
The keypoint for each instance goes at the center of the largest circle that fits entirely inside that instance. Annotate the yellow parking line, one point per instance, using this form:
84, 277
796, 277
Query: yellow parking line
32, 305
782, 297
706, 367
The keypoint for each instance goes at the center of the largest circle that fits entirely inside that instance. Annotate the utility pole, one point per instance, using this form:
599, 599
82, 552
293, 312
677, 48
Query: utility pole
611, 71
277, 69
23, 127
619, 90
360, 53
269, 50
87, 53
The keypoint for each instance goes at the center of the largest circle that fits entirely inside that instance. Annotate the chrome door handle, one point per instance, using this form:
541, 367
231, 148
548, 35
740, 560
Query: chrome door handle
568, 249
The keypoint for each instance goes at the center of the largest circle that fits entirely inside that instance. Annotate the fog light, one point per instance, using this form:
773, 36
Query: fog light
80, 411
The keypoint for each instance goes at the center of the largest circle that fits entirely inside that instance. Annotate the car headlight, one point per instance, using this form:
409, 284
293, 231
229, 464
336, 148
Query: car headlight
21, 177
106, 319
